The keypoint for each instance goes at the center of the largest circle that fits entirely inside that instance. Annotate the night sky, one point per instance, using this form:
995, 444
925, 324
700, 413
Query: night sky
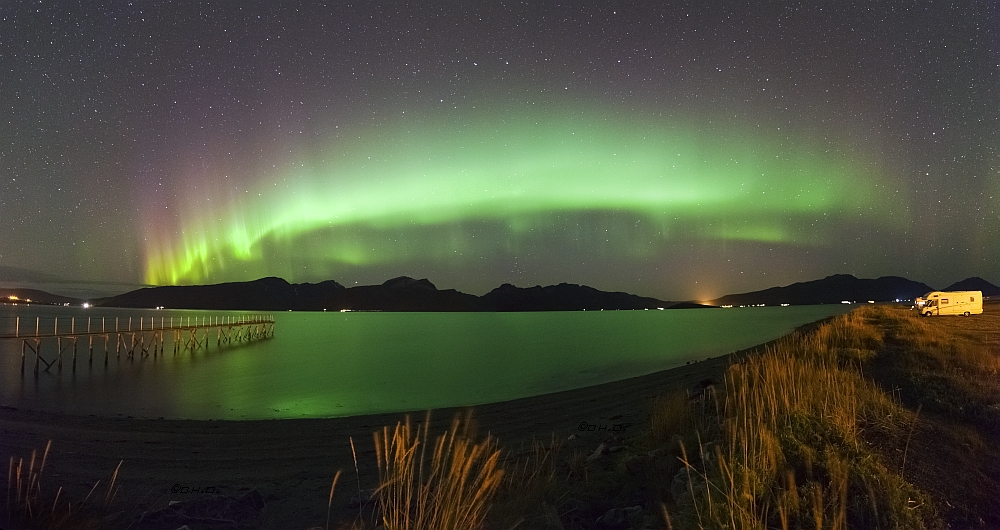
670, 149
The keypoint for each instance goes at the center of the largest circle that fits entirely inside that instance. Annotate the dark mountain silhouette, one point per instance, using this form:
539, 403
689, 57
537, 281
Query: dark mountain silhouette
975, 284
265, 294
37, 297
398, 294
408, 294
564, 297
689, 305
402, 294
832, 290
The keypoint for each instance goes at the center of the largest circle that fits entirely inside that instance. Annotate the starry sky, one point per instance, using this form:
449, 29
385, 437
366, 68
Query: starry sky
682, 150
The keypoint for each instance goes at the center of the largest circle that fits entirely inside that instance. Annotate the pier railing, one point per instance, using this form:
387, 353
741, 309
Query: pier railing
134, 336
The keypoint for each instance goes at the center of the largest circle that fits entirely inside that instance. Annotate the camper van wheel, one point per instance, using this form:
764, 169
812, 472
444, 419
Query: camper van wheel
965, 314
927, 314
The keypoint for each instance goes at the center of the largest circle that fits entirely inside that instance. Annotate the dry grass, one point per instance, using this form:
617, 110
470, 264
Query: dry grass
532, 490
789, 448
951, 362
670, 415
850, 337
450, 490
27, 507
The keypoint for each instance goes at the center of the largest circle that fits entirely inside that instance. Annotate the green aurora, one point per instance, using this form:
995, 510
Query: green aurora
453, 190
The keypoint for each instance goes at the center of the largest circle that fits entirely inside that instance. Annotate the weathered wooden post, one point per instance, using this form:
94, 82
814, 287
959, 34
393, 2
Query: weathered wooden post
17, 328
72, 331
58, 341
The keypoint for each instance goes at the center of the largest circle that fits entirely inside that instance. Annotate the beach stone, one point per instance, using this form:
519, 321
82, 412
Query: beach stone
671, 448
705, 383
613, 519
619, 518
666, 466
218, 512
674, 444
363, 498
598, 453
707, 452
552, 517
659, 452
639, 465
679, 486
634, 516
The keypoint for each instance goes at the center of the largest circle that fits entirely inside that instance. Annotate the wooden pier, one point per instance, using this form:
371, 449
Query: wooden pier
136, 336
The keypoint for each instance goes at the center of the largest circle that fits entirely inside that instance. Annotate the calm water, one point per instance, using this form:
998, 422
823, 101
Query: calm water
342, 364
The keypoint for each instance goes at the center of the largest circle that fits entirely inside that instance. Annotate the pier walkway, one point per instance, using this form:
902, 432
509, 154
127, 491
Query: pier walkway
133, 336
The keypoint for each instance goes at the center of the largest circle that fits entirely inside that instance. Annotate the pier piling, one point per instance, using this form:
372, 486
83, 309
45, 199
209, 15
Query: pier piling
186, 336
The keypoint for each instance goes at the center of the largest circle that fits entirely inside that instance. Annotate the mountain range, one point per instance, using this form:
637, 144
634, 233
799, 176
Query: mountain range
844, 287
839, 288
832, 290
15, 278
408, 294
398, 294
36, 296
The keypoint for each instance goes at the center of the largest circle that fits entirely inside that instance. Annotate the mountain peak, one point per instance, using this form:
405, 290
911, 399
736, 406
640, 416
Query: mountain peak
405, 282
975, 283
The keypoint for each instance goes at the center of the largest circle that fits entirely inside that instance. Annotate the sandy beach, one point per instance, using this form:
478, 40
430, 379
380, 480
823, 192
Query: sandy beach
292, 462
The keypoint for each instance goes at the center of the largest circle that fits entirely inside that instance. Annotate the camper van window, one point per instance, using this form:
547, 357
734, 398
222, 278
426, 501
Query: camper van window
944, 301
972, 298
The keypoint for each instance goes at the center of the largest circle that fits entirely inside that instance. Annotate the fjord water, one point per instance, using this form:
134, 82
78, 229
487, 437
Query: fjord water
343, 364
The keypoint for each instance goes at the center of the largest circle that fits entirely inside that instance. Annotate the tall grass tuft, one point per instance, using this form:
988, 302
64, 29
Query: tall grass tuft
670, 415
26, 506
451, 489
24, 484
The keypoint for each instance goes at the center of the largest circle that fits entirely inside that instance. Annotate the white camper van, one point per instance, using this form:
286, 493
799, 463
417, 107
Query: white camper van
950, 303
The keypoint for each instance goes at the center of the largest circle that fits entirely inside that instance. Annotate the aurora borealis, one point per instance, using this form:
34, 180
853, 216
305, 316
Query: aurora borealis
515, 183
669, 149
